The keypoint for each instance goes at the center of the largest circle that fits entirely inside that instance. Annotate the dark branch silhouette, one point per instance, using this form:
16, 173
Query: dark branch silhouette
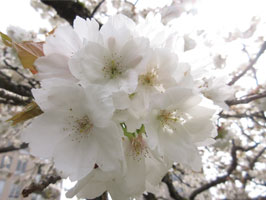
7, 84
13, 148
219, 179
68, 9
149, 196
12, 99
229, 171
172, 190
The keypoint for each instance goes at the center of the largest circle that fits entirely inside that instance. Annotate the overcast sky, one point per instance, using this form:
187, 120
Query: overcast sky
20, 13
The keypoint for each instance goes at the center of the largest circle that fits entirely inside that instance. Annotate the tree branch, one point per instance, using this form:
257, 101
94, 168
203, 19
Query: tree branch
39, 187
149, 196
246, 100
13, 148
259, 115
13, 99
219, 179
172, 190
231, 168
96, 8
33, 83
250, 66
6, 83
68, 9
251, 166
252, 163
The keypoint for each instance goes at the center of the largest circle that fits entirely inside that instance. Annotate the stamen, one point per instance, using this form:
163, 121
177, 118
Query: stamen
78, 128
168, 117
112, 68
150, 78
84, 125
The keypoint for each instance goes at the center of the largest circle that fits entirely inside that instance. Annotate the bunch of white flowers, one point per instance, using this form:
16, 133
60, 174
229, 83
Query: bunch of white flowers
118, 109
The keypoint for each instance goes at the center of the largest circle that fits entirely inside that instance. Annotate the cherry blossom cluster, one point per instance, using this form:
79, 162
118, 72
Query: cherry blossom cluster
118, 107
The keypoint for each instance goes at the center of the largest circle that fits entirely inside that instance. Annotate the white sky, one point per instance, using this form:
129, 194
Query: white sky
20, 13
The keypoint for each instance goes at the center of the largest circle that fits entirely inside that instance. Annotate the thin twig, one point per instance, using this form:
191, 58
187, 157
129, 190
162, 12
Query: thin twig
252, 62
219, 179
259, 115
246, 100
252, 163
229, 171
96, 8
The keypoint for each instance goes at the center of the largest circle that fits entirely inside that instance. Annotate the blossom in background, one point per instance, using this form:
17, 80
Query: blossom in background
216, 89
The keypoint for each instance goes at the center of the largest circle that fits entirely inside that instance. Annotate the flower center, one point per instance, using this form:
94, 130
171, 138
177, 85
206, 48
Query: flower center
167, 118
149, 79
138, 145
112, 69
83, 125
78, 126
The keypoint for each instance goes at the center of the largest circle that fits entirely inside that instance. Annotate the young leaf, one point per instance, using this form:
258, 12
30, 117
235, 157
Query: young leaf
6, 40
27, 51
30, 111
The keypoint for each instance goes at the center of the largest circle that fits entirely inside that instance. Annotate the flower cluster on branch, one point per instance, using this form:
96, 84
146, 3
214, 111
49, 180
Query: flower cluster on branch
116, 108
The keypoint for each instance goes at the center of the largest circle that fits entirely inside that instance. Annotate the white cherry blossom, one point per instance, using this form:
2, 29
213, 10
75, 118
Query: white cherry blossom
119, 108
176, 123
61, 45
78, 134
144, 170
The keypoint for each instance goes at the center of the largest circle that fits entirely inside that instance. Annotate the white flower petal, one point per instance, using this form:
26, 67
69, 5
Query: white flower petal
42, 138
55, 94
87, 64
87, 30
64, 41
111, 152
75, 158
118, 26
88, 187
53, 66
